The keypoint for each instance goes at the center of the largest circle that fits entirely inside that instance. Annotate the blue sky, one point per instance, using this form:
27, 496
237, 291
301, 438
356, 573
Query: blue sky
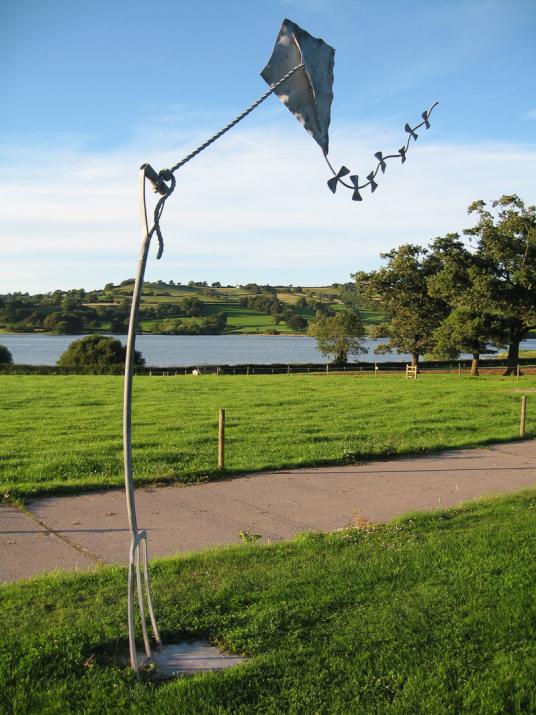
92, 89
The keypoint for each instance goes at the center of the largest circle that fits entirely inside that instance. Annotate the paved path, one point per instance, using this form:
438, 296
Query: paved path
81, 532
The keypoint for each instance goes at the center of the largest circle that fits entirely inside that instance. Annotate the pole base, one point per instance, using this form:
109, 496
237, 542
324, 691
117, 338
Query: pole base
171, 661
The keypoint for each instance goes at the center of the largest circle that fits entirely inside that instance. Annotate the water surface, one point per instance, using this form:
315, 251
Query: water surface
186, 350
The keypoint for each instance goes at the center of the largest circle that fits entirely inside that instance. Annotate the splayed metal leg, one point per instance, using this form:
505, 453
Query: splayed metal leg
138, 562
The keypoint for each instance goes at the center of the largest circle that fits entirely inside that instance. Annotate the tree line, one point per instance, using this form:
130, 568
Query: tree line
456, 295
76, 311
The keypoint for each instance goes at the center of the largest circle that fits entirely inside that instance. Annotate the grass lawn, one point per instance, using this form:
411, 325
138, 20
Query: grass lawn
63, 433
522, 354
244, 320
431, 614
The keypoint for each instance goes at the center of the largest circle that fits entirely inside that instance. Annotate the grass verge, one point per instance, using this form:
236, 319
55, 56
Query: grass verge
433, 613
62, 434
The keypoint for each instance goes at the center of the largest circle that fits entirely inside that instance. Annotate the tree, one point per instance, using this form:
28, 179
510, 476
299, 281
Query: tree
463, 283
70, 303
119, 324
5, 356
191, 306
349, 296
340, 335
296, 322
401, 289
65, 323
506, 243
96, 353
468, 331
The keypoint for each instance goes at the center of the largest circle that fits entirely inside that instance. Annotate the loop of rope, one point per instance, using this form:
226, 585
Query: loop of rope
168, 174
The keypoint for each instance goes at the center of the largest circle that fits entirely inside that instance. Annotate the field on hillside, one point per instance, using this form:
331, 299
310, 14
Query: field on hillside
108, 309
434, 613
241, 319
63, 433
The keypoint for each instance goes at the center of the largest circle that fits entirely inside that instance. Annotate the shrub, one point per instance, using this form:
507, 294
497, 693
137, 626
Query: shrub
96, 353
5, 356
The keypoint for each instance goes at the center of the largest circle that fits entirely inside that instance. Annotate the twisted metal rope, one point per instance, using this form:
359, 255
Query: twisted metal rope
168, 174
401, 154
238, 119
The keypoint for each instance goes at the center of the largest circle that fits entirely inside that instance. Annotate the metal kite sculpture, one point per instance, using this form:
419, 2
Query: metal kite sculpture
300, 73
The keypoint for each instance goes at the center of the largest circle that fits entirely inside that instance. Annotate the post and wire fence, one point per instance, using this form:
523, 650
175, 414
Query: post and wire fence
458, 368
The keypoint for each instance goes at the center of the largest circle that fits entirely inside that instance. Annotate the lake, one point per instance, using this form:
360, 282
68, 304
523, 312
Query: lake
186, 350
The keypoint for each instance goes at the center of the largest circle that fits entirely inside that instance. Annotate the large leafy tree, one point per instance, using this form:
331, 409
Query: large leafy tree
505, 241
96, 353
339, 335
466, 330
400, 289
462, 282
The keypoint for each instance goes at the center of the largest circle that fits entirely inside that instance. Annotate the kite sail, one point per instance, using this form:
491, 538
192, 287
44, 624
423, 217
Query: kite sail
307, 93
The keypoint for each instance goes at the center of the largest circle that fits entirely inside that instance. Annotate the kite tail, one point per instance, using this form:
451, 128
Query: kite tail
382, 162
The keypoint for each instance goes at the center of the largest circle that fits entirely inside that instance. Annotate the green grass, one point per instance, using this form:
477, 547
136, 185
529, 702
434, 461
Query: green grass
435, 613
63, 433
243, 320
522, 354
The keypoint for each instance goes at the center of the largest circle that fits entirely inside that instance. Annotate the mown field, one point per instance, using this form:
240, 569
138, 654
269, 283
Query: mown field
63, 433
435, 613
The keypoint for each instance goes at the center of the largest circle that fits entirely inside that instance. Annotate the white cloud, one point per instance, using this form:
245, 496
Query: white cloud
254, 205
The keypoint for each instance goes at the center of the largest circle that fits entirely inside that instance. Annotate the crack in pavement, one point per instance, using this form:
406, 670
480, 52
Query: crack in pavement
65, 539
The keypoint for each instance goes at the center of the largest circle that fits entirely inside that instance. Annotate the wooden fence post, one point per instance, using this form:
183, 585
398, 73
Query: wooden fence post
517, 372
523, 420
221, 440
459, 370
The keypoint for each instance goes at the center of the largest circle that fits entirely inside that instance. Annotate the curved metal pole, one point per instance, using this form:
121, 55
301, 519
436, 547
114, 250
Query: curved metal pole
136, 536
129, 362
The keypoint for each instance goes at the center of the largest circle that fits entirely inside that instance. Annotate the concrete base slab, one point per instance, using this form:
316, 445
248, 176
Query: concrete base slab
27, 548
184, 658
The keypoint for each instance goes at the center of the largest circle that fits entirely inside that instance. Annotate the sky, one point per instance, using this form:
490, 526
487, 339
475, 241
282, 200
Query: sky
91, 89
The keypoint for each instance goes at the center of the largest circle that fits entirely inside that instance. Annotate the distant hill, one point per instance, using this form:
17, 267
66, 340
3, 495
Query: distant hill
169, 308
